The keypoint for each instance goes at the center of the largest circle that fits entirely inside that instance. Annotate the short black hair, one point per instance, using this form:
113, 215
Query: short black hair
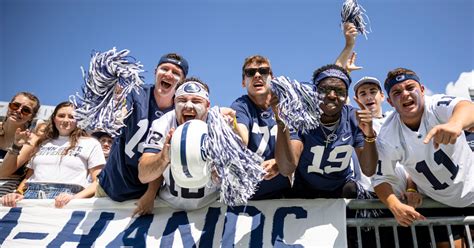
100, 134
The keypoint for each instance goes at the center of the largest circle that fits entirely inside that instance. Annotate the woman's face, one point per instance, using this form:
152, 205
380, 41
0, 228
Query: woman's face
20, 110
64, 120
40, 129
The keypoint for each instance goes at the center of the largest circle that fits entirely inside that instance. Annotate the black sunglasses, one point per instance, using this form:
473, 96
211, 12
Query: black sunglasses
24, 110
327, 90
250, 72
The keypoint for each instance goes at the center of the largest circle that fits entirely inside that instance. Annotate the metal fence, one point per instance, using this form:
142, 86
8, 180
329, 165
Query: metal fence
374, 225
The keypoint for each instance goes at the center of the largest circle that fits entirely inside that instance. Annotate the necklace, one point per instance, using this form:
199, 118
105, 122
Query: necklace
330, 123
331, 137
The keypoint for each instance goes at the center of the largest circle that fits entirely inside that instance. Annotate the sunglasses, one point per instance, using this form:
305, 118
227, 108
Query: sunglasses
337, 91
250, 72
24, 110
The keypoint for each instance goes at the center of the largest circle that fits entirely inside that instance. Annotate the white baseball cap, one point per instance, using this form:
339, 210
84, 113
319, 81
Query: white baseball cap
367, 80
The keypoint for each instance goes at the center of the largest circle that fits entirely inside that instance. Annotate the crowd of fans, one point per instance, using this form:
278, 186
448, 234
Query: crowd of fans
420, 148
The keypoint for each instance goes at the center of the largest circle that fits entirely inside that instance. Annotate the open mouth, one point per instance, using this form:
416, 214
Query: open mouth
369, 104
259, 84
408, 104
329, 106
330, 103
165, 85
188, 116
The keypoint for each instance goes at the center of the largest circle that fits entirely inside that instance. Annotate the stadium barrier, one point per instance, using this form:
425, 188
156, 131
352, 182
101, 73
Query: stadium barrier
101, 222
360, 224
375, 224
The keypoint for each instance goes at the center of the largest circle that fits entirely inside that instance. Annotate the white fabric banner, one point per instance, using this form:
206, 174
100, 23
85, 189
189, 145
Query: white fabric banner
105, 223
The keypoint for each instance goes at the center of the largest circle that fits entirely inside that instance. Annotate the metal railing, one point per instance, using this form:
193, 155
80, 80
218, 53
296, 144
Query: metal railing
430, 222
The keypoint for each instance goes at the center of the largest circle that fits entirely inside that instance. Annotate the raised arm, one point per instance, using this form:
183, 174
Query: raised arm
459, 115
367, 154
449, 132
287, 152
20, 152
241, 130
152, 165
351, 63
350, 34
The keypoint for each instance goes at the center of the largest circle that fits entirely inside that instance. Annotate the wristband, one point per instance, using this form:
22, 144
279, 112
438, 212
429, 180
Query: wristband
235, 123
412, 190
371, 139
14, 149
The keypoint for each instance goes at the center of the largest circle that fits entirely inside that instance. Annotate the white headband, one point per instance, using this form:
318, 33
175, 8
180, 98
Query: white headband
192, 88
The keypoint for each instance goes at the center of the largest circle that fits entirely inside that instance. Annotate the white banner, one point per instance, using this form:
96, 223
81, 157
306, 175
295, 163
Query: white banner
104, 223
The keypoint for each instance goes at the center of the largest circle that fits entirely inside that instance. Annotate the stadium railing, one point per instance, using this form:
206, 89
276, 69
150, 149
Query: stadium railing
376, 223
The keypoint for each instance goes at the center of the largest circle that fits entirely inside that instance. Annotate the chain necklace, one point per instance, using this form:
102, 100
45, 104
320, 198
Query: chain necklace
330, 123
332, 136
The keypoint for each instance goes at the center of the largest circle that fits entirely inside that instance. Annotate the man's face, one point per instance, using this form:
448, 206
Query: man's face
333, 92
166, 77
371, 97
190, 107
408, 99
257, 78
106, 142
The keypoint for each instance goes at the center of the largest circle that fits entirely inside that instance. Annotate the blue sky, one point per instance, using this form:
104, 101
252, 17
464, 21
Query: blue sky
43, 43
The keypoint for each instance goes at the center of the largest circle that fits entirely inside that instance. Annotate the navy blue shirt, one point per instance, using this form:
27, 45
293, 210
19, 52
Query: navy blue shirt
470, 139
3, 153
324, 167
262, 140
119, 178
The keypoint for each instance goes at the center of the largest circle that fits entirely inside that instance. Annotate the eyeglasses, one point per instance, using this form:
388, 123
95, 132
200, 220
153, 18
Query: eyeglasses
337, 91
24, 110
250, 72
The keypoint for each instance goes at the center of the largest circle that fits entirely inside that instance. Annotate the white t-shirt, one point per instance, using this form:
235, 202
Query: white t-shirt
50, 165
400, 187
445, 174
175, 196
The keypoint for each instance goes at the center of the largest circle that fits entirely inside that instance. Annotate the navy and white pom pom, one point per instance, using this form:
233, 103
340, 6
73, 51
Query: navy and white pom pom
355, 13
111, 77
238, 168
298, 104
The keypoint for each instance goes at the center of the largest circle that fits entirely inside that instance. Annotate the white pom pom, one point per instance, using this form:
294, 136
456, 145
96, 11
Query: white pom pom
237, 167
111, 77
354, 12
298, 104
